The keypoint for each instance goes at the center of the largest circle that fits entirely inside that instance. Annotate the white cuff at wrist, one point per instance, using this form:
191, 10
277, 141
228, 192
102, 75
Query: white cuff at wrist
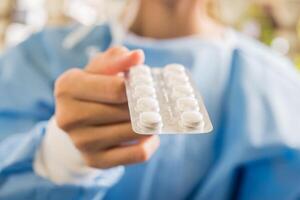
58, 159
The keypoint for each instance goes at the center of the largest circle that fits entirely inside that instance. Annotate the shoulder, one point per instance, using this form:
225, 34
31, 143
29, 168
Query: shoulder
263, 94
57, 37
258, 63
46, 49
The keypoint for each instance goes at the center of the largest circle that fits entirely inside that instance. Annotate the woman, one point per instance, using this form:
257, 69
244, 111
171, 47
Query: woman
252, 96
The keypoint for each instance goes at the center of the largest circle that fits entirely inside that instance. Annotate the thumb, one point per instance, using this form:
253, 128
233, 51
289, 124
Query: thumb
110, 63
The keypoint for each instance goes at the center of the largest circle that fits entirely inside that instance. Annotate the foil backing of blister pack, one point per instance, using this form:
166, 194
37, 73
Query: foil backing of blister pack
165, 101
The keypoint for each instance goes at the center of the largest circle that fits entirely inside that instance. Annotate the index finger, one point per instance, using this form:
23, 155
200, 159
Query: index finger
114, 61
92, 87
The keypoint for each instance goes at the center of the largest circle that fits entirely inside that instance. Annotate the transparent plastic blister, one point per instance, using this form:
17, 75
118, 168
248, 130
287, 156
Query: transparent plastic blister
165, 101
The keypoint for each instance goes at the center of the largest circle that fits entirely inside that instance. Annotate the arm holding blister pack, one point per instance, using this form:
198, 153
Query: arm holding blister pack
26, 100
91, 106
81, 105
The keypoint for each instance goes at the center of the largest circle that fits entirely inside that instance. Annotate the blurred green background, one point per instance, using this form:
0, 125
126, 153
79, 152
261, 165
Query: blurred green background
274, 22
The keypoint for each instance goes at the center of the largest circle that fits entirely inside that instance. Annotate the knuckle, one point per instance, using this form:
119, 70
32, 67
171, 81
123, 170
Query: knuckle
143, 154
101, 165
96, 162
118, 91
60, 120
79, 144
59, 88
64, 120
96, 59
86, 146
116, 50
112, 49
63, 82
91, 161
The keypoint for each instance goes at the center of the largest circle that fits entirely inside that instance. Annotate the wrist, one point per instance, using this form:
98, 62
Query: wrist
60, 161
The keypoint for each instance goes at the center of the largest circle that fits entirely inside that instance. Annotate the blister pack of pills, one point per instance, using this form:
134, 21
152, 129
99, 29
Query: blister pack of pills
165, 101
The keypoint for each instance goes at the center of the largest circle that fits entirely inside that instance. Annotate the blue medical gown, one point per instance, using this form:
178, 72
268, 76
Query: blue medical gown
252, 95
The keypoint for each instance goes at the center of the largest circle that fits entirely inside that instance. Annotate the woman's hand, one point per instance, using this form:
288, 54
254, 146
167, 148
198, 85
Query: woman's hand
91, 107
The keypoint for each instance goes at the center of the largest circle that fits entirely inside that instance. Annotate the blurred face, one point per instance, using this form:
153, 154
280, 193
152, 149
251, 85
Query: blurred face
170, 2
192, 16
173, 3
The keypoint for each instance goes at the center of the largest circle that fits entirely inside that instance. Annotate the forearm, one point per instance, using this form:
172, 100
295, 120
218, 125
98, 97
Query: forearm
26, 167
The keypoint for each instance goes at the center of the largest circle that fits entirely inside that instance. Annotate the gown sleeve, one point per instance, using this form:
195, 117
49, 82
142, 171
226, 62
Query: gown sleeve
27, 74
260, 148
271, 126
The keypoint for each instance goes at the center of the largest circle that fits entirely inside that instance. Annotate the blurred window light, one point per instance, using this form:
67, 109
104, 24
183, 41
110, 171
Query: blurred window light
17, 33
35, 15
230, 11
82, 12
281, 45
252, 28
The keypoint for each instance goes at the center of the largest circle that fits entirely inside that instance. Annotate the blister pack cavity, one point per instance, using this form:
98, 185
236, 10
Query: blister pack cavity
165, 101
